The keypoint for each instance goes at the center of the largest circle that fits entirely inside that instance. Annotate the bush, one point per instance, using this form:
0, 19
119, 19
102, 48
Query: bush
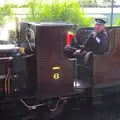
5, 11
57, 11
117, 22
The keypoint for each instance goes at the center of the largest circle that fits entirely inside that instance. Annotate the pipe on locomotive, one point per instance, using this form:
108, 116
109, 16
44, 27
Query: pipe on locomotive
32, 107
27, 31
17, 20
57, 103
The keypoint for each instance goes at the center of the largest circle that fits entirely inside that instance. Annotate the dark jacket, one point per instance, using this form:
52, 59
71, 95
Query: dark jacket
97, 43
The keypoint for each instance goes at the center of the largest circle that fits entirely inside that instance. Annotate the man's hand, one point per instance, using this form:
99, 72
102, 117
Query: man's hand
84, 52
67, 46
77, 52
87, 57
81, 46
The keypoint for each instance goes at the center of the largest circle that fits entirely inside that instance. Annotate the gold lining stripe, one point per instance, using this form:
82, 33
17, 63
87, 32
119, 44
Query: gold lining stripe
56, 68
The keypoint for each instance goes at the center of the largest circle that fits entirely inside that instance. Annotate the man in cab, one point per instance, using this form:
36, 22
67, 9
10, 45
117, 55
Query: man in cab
97, 42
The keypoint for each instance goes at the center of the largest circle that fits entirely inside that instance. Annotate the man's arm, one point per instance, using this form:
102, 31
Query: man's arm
84, 47
88, 41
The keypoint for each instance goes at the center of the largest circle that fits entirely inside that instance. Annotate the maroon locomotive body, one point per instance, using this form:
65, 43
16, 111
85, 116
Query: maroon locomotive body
36, 68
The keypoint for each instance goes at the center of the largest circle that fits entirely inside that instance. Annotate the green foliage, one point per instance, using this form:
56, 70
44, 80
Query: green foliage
118, 22
96, 3
108, 2
88, 3
5, 11
57, 11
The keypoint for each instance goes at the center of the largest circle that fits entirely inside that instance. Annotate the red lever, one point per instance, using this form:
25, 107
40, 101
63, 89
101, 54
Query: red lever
69, 36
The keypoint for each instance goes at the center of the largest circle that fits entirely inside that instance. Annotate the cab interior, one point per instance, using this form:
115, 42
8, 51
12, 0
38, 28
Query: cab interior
84, 73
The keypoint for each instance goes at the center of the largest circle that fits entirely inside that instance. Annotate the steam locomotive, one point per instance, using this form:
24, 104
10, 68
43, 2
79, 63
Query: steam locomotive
35, 73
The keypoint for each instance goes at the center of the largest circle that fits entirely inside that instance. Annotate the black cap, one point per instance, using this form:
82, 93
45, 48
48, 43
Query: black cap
100, 21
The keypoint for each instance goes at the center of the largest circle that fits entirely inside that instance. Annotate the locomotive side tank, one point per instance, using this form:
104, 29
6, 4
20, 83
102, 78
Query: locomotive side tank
54, 72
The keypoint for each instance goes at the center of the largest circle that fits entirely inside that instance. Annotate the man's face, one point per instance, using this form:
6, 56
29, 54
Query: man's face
98, 27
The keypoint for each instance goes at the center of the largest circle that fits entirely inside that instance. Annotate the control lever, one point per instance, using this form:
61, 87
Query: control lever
68, 52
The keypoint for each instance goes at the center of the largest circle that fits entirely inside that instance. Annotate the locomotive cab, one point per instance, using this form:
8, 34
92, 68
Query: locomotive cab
102, 75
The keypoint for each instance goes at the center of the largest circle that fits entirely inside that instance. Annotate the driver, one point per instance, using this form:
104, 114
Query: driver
97, 42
